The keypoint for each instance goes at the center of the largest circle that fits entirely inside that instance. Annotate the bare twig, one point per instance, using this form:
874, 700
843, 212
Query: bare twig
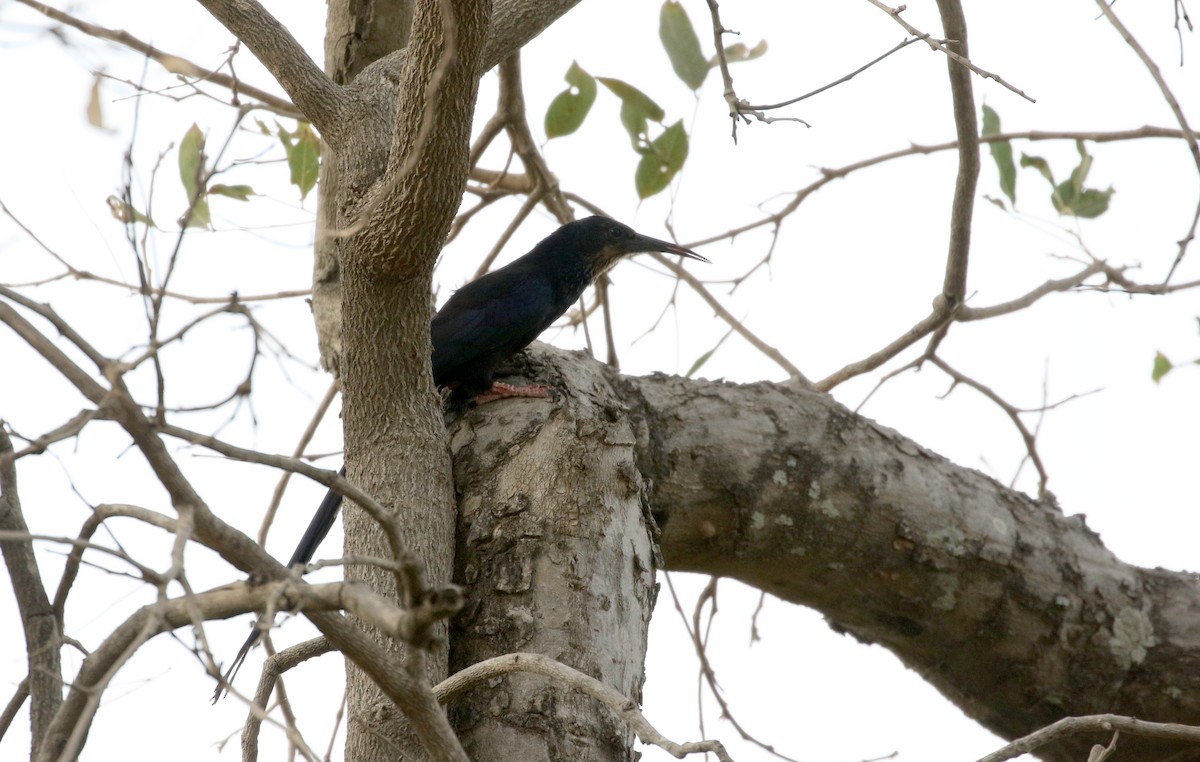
938, 46
1013, 413
771, 352
1176, 109
172, 63
1103, 723
620, 705
900, 46
273, 669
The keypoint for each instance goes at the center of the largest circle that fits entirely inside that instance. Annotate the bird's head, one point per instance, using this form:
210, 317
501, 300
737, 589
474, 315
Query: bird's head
603, 241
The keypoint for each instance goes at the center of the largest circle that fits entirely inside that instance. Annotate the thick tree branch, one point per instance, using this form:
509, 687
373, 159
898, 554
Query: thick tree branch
42, 633
954, 25
793, 494
313, 93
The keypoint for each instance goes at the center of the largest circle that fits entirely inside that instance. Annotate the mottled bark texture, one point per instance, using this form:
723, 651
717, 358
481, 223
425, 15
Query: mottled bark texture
1017, 613
555, 556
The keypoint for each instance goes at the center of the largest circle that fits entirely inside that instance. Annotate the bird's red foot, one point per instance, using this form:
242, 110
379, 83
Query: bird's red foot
501, 390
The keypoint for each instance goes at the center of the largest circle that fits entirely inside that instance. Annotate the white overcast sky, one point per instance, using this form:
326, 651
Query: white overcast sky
856, 266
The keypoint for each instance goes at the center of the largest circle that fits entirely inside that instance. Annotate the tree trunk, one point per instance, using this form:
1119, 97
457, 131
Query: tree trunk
555, 557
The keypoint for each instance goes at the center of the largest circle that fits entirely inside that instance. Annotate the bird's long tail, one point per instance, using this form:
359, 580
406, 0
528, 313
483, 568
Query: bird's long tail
318, 528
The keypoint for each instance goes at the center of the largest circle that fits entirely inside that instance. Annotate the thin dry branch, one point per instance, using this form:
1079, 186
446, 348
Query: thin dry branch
958, 58
273, 669
768, 350
103, 663
1176, 109
737, 106
39, 444
829, 85
175, 64
101, 514
1099, 723
13, 707
1013, 413
621, 706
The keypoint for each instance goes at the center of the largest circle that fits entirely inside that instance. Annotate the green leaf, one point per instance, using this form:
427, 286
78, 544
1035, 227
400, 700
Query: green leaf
738, 52
636, 109
192, 174
1038, 163
1162, 366
304, 159
239, 192
660, 164
191, 160
303, 149
1001, 154
997, 201
1080, 173
682, 46
569, 108
285, 137
1087, 203
1073, 198
126, 213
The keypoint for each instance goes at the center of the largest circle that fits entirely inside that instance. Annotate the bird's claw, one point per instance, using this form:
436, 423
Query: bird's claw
501, 390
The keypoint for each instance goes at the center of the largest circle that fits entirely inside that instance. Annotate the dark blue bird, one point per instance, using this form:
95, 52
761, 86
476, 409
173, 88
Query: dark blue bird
492, 318
497, 315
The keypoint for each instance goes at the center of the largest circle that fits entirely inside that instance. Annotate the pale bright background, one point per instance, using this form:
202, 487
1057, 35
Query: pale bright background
856, 266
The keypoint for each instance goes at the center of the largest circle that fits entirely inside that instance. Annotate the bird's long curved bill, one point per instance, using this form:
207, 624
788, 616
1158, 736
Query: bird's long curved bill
653, 244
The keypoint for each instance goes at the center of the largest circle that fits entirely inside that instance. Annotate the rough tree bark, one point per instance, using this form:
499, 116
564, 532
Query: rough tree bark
555, 557
1015, 612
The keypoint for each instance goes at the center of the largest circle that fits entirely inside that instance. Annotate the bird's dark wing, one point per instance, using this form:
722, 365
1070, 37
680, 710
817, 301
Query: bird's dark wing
488, 320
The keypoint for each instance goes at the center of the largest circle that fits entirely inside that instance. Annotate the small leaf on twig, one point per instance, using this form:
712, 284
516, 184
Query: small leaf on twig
636, 109
95, 114
192, 174
738, 52
1001, 154
683, 47
660, 164
239, 192
570, 107
303, 149
1162, 366
126, 213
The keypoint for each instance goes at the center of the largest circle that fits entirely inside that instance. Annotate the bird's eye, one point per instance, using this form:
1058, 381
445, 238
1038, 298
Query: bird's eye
615, 233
